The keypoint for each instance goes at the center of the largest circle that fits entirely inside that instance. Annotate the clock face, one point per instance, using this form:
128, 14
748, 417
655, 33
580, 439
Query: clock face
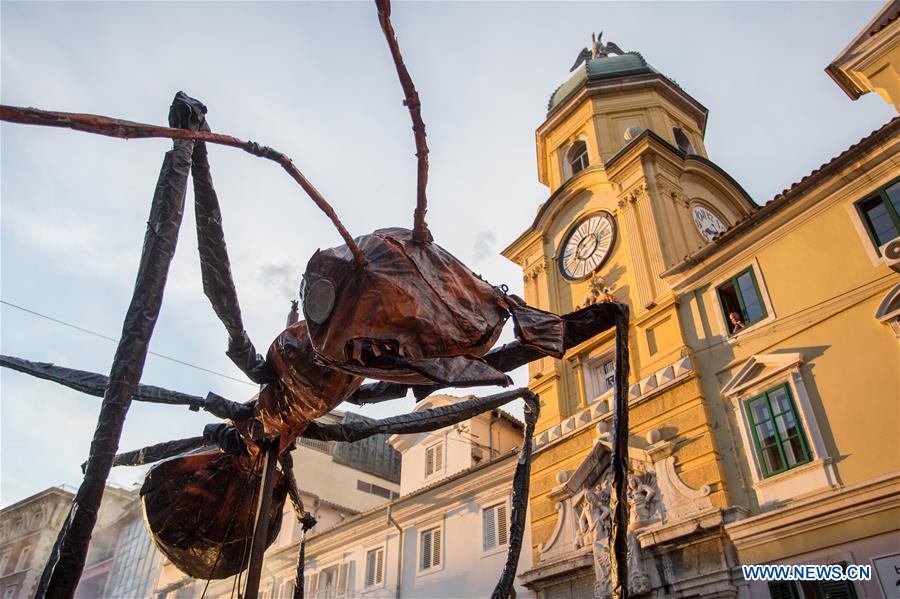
587, 245
707, 223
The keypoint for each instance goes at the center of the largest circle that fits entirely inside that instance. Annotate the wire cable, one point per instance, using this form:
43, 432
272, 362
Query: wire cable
114, 340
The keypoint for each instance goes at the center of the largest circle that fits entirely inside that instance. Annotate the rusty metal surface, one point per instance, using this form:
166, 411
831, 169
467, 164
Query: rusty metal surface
201, 507
411, 302
303, 390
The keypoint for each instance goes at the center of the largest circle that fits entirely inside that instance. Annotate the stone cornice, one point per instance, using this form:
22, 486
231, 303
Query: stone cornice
817, 511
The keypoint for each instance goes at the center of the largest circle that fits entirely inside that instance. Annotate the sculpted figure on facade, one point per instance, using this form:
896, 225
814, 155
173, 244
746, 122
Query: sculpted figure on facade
642, 500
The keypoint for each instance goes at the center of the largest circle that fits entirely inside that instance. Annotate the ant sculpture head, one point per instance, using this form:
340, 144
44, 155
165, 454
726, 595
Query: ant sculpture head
410, 313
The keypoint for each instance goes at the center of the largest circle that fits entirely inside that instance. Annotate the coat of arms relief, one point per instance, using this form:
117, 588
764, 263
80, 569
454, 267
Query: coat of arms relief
656, 498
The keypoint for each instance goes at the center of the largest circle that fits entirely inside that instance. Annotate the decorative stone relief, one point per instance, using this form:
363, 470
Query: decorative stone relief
643, 502
637, 192
668, 188
536, 270
681, 501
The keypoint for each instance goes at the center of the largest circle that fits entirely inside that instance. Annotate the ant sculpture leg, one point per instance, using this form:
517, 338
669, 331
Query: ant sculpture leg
307, 520
95, 384
215, 267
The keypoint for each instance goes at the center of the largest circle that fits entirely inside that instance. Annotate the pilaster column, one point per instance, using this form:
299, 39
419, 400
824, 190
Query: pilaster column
634, 235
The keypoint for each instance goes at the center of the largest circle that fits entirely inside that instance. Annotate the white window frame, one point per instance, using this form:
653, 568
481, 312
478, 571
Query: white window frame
377, 584
594, 378
720, 317
443, 466
4, 562
499, 547
782, 368
442, 556
339, 593
287, 586
566, 149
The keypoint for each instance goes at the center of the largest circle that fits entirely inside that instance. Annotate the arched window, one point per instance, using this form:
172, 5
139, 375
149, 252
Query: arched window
684, 143
578, 157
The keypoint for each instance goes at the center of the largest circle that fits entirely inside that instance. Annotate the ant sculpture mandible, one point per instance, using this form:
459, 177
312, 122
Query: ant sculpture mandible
392, 306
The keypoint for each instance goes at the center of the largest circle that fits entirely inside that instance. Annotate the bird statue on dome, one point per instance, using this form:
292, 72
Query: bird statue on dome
597, 50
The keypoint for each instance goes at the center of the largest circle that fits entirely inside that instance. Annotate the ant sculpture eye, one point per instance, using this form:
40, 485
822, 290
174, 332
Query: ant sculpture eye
318, 300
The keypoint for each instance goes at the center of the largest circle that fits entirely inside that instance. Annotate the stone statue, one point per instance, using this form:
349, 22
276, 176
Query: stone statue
640, 499
598, 50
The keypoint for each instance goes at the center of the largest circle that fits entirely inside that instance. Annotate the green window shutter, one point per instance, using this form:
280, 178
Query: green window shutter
837, 589
775, 414
783, 589
880, 213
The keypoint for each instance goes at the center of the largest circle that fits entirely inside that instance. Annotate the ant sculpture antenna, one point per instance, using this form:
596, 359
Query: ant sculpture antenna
421, 233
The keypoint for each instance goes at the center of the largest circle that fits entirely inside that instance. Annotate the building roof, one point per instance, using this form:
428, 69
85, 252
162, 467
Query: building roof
373, 455
888, 131
594, 69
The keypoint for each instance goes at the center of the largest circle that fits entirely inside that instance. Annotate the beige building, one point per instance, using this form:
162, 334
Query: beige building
28, 530
764, 347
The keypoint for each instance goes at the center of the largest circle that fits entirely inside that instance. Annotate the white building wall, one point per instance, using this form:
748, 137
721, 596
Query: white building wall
318, 474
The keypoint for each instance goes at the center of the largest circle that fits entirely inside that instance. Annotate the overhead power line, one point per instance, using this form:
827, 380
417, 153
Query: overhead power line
114, 340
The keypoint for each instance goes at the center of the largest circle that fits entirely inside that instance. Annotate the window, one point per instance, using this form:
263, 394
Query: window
323, 446
742, 303
777, 433
22, 563
434, 458
605, 373
881, 214
4, 561
375, 567
330, 583
430, 549
812, 589
683, 141
9, 592
362, 485
578, 157
494, 527
287, 590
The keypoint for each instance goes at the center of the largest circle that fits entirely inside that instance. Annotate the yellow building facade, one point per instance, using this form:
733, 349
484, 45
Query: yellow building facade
764, 396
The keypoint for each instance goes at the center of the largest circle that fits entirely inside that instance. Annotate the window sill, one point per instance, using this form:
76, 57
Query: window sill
796, 482
494, 550
429, 571
734, 338
429, 478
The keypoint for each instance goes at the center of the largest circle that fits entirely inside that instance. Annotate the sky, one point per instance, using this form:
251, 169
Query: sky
315, 81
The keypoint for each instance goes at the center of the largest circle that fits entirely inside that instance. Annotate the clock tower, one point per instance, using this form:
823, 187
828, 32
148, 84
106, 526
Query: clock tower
631, 192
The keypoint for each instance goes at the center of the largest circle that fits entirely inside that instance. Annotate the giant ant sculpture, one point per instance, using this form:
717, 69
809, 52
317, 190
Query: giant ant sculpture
391, 306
